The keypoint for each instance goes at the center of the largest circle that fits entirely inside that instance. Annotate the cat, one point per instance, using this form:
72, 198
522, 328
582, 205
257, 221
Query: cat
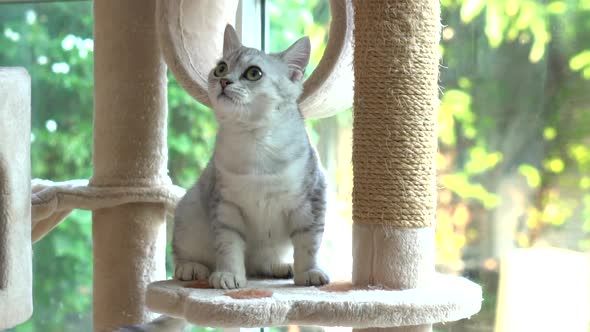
259, 206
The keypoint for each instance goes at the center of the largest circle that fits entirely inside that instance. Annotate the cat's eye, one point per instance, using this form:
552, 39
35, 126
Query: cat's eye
253, 73
220, 70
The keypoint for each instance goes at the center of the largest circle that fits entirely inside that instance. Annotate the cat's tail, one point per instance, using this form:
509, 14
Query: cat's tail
160, 324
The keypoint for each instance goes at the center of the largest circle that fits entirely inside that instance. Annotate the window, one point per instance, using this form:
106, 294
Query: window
514, 151
289, 20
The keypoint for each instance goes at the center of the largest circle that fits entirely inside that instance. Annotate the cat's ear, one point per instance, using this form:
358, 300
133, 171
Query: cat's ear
231, 41
297, 57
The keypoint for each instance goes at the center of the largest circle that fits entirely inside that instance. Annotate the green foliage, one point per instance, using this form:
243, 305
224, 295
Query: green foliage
54, 43
471, 8
509, 19
455, 110
455, 107
462, 186
291, 19
515, 104
555, 165
581, 62
481, 161
532, 175
191, 135
586, 202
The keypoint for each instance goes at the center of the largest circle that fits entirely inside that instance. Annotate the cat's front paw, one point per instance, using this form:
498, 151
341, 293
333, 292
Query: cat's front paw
191, 271
313, 277
227, 280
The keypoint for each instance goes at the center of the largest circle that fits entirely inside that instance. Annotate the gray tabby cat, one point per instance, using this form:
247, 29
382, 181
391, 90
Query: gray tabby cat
258, 208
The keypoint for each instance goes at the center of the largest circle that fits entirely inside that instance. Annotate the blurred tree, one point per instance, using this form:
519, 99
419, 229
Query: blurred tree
513, 157
54, 43
513, 119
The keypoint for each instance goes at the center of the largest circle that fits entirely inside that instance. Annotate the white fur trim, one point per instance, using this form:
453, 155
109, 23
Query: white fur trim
418, 328
191, 36
397, 258
447, 298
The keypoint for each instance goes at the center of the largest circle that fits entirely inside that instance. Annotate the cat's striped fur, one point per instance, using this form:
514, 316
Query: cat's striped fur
258, 208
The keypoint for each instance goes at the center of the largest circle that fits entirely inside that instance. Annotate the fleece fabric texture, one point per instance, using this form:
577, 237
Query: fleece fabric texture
16, 303
53, 201
129, 150
191, 36
447, 298
398, 258
416, 328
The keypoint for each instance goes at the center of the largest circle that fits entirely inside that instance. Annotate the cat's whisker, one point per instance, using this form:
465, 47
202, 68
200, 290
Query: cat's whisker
259, 206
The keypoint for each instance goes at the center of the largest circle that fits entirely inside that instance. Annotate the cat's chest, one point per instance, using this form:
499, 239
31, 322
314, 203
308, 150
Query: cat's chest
264, 199
261, 189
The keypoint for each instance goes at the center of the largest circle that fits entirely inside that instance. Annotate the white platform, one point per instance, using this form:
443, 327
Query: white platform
449, 298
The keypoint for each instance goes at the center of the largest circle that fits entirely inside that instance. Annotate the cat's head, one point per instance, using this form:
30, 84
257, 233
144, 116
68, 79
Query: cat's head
248, 85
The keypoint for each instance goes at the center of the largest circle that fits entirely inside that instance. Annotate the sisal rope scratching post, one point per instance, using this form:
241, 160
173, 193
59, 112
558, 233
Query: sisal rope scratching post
16, 295
394, 144
129, 150
395, 63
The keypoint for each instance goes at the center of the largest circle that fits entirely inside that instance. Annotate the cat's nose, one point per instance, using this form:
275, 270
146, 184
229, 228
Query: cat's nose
224, 82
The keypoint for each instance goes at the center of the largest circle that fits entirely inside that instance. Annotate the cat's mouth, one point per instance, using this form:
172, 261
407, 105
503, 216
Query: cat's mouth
223, 95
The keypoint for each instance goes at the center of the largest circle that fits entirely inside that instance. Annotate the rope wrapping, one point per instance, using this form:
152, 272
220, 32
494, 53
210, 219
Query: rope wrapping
396, 62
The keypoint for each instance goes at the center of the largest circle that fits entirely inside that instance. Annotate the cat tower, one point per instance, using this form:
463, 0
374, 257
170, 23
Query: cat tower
394, 284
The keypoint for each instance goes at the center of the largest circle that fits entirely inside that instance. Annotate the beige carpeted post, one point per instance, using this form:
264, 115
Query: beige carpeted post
396, 98
129, 150
16, 298
395, 103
